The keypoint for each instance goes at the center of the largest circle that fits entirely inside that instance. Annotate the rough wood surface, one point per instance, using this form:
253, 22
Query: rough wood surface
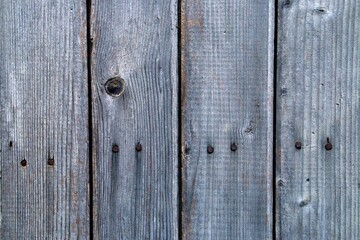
227, 97
318, 190
135, 193
43, 115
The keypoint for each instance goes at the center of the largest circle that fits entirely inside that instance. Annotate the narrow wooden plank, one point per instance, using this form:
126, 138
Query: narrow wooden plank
135, 192
318, 98
43, 115
227, 97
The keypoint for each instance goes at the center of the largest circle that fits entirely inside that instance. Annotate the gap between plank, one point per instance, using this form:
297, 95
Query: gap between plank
274, 113
90, 124
180, 130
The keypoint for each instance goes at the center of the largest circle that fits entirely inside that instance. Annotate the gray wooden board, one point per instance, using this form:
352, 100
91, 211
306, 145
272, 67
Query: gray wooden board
43, 115
135, 193
318, 98
227, 97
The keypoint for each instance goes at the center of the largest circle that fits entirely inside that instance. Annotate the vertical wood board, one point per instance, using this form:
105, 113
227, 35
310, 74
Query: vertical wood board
135, 192
318, 103
227, 98
43, 120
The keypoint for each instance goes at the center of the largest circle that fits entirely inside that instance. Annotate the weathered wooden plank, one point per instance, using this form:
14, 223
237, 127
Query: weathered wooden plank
43, 115
135, 192
227, 98
318, 98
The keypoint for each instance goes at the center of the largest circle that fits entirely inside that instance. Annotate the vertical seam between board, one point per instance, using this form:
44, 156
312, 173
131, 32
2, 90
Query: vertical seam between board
90, 123
276, 15
180, 130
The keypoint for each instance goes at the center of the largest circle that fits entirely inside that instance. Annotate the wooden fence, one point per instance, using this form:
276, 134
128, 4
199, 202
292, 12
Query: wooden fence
169, 119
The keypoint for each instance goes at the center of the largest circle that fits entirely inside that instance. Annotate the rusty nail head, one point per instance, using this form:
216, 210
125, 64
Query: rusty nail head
51, 161
210, 149
138, 147
233, 147
23, 163
328, 146
115, 148
298, 145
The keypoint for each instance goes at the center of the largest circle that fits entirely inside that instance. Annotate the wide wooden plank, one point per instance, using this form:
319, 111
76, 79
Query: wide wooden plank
43, 120
318, 189
227, 119
135, 188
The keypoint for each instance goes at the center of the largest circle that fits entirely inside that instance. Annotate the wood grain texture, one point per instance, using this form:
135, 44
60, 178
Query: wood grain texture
227, 97
318, 59
135, 193
43, 115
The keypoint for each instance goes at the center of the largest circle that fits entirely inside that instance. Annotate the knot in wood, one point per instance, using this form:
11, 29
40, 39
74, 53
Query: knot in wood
115, 87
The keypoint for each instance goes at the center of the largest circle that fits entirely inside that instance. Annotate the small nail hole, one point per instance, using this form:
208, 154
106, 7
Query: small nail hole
321, 10
303, 203
187, 150
281, 183
286, 3
10, 144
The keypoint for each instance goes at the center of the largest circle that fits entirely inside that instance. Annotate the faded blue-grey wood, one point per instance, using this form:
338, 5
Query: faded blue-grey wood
43, 115
135, 193
227, 97
318, 191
